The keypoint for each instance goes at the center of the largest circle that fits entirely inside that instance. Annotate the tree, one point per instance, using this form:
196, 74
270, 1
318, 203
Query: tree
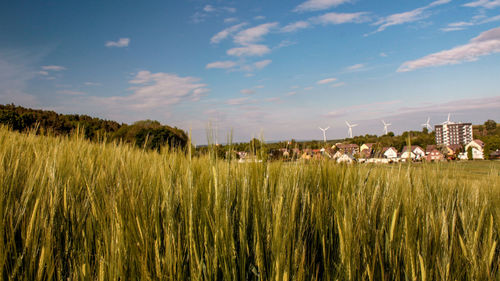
490, 125
469, 153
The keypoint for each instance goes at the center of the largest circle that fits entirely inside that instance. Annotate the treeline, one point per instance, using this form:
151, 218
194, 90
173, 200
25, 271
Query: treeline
148, 134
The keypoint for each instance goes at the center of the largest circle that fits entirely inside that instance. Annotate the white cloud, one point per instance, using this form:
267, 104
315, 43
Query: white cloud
262, 64
230, 20
247, 91
356, 66
209, 8
122, 42
259, 18
340, 18
486, 43
157, 90
477, 20
336, 85
226, 32
229, 9
250, 50
308, 88
383, 55
238, 101
259, 87
291, 93
221, 64
71, 93
254, 34
249, 75
326, 81
92, 84
53, 67
448, 29
275, 99
488, 4
295, 26
407, 17
43, 72
316, 5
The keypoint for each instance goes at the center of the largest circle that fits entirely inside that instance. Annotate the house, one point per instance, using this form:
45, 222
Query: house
477, 147
350, 148
429, 149
454, 149
366, 153
337, 155
413, 152
390, 152
435, 155
366, 146
346, 158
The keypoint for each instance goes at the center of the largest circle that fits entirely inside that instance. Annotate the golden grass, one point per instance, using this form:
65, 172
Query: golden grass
76, 210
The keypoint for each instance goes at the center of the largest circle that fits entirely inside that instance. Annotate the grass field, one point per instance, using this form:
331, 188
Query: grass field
76, 210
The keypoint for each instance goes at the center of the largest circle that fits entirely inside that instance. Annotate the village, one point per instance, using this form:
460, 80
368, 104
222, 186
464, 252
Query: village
371, 153
452, 141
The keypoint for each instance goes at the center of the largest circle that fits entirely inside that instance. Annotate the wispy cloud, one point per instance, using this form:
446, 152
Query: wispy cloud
226, 32
43, 72
221, 64
262, 64
92, 84
247, 91
53, 67
157, 90
407, 17
254, 34
259, 18
339, 84
230, 20
488, 4
316, 5
16, 70
209, 10
461, 25
122, 42
239, 101
486, 43
295, 26
355, 67
340, 18
71, 93
249, 50
326, 81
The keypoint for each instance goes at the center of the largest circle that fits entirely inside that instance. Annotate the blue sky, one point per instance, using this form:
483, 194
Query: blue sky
278, 69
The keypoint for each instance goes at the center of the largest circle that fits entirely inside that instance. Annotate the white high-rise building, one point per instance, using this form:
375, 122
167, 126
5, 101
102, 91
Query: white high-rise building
450, 133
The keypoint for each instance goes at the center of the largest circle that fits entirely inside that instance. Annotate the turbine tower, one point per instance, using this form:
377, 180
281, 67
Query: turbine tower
324, 132
350, 128
385, 126
427, 124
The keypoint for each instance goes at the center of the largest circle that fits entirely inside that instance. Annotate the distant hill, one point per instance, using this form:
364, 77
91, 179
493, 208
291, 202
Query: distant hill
147, 133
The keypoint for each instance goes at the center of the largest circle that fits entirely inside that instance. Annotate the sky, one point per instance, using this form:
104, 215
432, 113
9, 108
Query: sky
275, 70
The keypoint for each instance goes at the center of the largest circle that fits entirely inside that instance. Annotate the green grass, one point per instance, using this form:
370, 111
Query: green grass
71, 209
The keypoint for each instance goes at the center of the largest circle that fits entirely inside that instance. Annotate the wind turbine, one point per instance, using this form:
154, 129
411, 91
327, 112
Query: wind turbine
427, 125
324, 132
448, 120
385, 126
350, 128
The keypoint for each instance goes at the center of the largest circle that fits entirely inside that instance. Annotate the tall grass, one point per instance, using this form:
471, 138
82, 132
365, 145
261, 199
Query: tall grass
71, 209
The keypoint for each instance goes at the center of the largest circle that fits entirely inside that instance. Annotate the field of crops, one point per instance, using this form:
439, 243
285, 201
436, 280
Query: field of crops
75, 210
